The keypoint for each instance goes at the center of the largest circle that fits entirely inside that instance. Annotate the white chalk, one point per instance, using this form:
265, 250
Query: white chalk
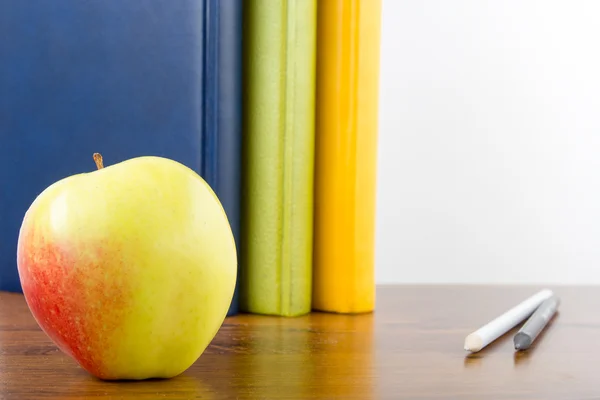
505, 322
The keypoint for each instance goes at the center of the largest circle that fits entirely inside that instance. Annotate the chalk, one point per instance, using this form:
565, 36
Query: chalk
505, 322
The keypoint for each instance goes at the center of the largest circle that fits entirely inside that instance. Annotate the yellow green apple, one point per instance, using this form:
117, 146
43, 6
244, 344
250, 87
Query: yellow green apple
130, 269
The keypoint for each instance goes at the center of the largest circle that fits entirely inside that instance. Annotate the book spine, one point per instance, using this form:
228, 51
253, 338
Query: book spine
222, 110
280, 56
345, 155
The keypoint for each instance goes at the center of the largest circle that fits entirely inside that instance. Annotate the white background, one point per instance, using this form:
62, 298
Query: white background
489, 151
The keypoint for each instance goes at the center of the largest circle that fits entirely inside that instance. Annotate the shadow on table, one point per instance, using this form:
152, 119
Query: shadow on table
181, 387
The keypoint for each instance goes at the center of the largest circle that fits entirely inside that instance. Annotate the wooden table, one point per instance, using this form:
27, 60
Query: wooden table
411, 347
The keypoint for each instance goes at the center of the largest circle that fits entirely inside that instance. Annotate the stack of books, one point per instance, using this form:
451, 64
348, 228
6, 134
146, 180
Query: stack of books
273, 102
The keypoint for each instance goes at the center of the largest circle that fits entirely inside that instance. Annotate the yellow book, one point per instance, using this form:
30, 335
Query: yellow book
348, 37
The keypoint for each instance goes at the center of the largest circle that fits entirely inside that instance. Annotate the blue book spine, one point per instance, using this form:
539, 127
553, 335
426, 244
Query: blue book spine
222, 109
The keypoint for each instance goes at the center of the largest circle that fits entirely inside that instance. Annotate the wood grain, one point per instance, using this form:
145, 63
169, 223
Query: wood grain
411, 347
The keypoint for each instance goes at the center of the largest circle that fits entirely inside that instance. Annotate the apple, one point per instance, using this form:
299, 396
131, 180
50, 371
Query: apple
129, 269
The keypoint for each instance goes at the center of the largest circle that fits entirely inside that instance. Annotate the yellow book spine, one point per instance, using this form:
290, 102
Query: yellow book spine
348, 33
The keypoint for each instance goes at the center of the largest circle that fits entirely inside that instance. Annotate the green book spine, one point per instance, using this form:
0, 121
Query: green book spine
279, 109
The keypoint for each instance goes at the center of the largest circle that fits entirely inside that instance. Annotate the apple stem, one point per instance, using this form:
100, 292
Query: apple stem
98, 160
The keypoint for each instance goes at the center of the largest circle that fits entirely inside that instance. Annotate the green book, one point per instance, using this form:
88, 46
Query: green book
278, 151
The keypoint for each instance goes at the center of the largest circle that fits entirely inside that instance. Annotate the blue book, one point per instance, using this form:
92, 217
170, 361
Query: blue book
122, 78
223, 110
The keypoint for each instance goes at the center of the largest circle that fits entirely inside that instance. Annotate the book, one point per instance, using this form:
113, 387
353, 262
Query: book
277, 227
223, 110
124, 79
345, 155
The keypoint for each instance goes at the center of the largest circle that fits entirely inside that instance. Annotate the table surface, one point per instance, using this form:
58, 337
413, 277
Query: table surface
411, 347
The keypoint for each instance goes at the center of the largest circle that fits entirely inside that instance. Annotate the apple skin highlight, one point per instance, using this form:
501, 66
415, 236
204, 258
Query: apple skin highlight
130, 269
